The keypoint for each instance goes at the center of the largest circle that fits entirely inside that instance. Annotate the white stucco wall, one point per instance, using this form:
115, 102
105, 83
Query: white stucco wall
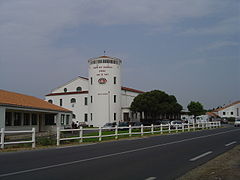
232, 111
72, 85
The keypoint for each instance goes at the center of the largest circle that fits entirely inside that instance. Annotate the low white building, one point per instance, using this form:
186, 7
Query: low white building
23, 112
100, 98
231, 110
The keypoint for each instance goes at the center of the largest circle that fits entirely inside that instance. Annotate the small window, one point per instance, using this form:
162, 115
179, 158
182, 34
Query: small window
73, 100
85, 117
115, 80
85, 101
49, 119
62, 119
231, 113
73, 116
115, 98
67, 119
65, 89
61, 102
8, 121
17, 119
50, 101
224, 113
91, 99
91, 117
115, 116
79, 89
91, 80
34, 119
26, 119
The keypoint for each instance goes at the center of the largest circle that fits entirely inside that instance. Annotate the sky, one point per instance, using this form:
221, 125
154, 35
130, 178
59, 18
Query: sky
188, 48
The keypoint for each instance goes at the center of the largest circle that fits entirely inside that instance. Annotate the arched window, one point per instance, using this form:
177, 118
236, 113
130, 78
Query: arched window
73, 116
65, 89
50, 101
73, 100
79, 89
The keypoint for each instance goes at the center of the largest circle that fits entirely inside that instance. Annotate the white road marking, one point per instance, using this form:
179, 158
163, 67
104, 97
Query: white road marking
111, 155
231, 143
151, 178
200, 156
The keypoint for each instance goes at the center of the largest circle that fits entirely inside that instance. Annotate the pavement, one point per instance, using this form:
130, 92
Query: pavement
155, 157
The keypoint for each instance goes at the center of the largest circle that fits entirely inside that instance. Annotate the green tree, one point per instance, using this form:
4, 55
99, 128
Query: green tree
156, 103
195, 108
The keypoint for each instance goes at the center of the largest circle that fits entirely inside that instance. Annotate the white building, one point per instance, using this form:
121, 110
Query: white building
231, 110
99, 99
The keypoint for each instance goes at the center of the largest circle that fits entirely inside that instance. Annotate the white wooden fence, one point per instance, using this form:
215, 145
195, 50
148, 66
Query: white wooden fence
3, 133
143, 130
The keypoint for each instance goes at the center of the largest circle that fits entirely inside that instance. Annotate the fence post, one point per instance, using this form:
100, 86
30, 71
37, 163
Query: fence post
188, 126
116, 132
81, 134
161, 129
2, 137
130, 130
176, 127
183, 127
169, 128
141, 129
58, 136
152, 128
193, 126
100, 134
33, 138
219, 123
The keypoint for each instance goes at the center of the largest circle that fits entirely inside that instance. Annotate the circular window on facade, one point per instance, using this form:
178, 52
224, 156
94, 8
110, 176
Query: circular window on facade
102, 81
65, 89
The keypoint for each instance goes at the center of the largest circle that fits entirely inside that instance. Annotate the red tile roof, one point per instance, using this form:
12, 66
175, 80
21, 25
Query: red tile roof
132, 90
86, 92
67, 93
212, 114
8, 98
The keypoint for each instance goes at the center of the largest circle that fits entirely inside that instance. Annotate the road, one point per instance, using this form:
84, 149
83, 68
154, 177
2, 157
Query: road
157, 157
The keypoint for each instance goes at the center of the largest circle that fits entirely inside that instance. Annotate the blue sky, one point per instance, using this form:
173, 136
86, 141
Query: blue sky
188, 48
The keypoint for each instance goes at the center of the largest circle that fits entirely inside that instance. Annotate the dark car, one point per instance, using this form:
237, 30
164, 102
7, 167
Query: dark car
123, 124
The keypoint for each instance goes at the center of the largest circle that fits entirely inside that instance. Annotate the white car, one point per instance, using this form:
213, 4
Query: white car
237, 122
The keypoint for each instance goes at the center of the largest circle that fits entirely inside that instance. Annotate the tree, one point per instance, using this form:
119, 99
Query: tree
195, 108
156, 103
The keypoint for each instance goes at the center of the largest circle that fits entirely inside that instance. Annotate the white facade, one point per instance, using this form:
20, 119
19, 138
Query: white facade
104, 90
100, 98
231, 110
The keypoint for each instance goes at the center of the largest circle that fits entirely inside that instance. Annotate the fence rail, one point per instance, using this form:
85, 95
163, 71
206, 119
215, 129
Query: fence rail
3, 133
141, 130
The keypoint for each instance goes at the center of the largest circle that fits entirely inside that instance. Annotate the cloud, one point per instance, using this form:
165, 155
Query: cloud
218, 45
230, 25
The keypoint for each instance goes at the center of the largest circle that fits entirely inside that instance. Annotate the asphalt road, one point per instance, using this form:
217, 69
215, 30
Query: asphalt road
159, 157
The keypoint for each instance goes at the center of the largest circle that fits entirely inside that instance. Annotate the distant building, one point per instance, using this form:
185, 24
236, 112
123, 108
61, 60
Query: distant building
231, 110
21, 112
100, 98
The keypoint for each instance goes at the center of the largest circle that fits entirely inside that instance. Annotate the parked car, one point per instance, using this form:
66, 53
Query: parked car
224, 121
237, 122
109, 126
137, 123
175, 124
123, 124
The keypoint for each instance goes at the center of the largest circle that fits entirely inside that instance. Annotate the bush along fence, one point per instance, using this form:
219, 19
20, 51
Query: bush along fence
97, 134
3, 133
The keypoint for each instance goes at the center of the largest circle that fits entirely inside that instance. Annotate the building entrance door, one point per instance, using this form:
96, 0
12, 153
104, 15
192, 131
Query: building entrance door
126, 117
